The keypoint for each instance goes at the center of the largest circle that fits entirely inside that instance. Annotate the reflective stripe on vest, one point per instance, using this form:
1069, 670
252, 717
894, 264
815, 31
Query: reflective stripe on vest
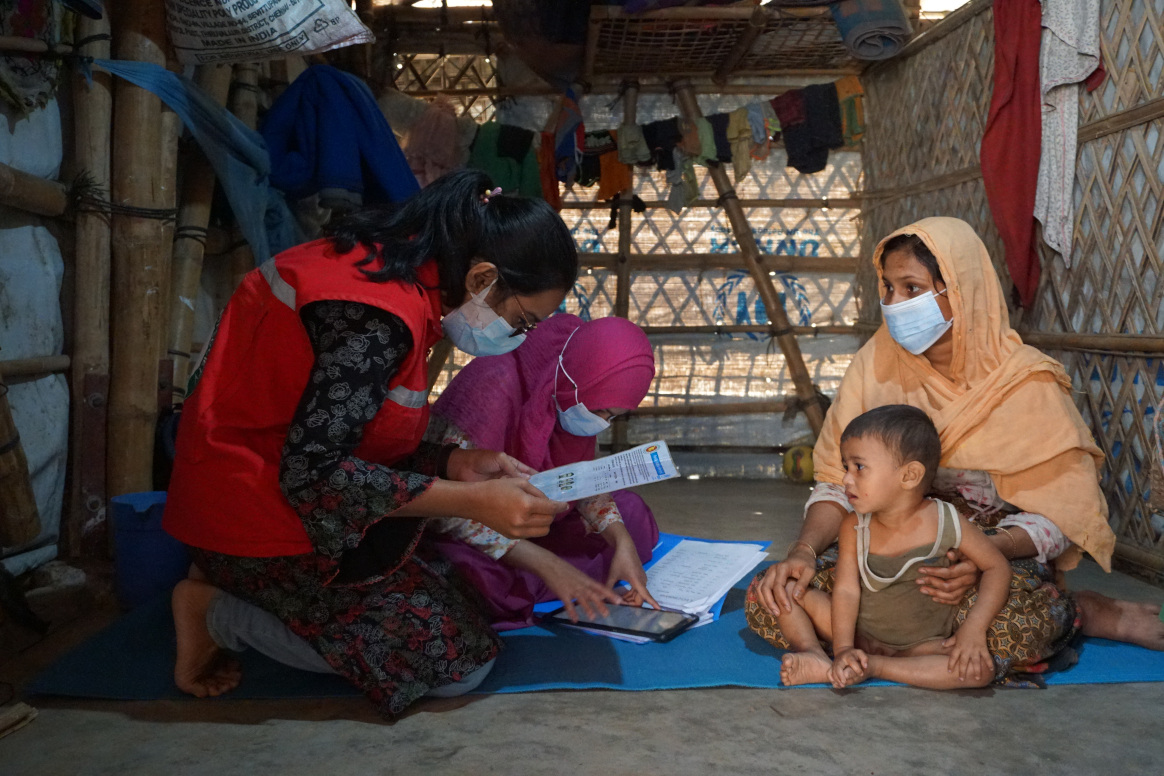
282, 290
406, 398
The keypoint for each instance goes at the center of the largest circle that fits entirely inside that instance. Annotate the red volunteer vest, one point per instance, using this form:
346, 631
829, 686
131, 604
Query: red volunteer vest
224, 494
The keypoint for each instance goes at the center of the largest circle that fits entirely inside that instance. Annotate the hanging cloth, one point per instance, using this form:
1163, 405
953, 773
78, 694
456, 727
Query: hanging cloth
1069, 54
851, 97
1011, 142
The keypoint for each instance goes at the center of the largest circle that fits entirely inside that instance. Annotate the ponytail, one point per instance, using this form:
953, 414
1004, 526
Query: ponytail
452, 222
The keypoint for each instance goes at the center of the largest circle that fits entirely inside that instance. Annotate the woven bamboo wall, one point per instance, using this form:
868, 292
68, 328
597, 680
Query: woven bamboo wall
1115, 281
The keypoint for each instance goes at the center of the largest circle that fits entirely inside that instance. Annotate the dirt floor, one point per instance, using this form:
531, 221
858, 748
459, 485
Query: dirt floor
1062, 730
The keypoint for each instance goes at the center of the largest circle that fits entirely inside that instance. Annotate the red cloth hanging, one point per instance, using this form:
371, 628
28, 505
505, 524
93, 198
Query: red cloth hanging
1012, 141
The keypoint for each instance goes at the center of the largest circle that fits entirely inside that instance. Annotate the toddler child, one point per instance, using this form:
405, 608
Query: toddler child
877, 621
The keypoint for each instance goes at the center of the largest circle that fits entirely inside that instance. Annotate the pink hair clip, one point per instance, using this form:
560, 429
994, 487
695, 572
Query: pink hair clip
485, 197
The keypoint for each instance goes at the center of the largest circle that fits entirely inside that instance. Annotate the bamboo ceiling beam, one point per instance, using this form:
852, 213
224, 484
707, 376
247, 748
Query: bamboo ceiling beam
780, 327
661, 262
1125, 119
605, 87
31, 193
1120, 343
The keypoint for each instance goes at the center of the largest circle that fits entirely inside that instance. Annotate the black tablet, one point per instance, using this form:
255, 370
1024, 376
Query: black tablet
654, 624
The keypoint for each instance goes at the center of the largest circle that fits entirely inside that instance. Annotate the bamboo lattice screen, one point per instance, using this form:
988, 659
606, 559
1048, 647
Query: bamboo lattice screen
926, 114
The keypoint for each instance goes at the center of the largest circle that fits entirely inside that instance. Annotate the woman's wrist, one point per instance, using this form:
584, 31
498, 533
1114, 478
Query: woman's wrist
446, 453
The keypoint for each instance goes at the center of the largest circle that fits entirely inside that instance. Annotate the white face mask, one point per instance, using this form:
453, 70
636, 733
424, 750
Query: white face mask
479, 331
577, 420
916, 324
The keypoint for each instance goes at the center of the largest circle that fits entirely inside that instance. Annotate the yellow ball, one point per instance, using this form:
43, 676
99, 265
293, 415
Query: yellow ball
798, 463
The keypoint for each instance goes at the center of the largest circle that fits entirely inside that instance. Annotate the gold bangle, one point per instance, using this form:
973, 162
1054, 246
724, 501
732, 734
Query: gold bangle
1013, 543
788, 551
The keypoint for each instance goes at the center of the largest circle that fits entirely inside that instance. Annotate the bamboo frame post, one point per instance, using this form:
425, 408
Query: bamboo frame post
140, 254
190, 237
437, 359
780, 328
32, 194
622, 288
244, 103
84, 531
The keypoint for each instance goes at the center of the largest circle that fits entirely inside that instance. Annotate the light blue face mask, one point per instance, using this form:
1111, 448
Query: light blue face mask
577, 420
479, 331
916, 324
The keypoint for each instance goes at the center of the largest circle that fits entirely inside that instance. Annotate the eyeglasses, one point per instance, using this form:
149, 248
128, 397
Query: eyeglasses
525, 324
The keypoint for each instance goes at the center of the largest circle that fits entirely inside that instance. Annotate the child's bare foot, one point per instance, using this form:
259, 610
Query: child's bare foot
804, 668
1107, 618
202, 668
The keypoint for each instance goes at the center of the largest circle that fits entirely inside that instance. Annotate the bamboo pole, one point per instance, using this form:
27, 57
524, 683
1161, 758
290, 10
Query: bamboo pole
11, 44
708, 410
663, 262
244, 104
806, 204
754, 328
189, 244
32, 194
1120, 343
756, 24
38, 366
171, 130
622, 289
140, 254
781, 328
85, 528
1133, 553
19, 517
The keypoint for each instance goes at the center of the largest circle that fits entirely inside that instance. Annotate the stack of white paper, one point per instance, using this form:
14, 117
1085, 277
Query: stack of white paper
694, 575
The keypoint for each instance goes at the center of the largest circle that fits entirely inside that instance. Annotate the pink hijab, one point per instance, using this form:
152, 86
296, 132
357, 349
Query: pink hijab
507, 402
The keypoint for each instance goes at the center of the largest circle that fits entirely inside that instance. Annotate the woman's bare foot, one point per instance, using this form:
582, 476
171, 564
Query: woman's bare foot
1108, 618
202, 668
804, 668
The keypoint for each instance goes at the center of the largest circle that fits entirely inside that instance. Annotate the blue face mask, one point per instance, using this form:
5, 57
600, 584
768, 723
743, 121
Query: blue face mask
479, 331
916, 324
577, 420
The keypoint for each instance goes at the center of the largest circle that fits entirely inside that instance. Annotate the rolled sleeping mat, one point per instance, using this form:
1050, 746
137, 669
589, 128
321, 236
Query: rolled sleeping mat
872, 29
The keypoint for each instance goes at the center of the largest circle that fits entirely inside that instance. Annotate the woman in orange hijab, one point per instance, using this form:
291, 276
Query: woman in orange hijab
1017, 458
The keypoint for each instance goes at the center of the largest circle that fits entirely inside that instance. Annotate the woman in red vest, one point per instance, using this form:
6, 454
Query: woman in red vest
300, 481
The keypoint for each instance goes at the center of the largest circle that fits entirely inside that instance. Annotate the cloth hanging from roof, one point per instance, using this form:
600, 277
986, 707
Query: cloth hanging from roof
808, 142
788, 107
614, 177
236, 152
569, 138
1011, 142
327, 136
515, 175
662, 137
872, 29
739, 135
551, 191
851, 96
632, 146
719, 127
1068, 55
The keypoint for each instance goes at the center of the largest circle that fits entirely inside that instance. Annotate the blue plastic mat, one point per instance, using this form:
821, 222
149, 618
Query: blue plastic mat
133, 659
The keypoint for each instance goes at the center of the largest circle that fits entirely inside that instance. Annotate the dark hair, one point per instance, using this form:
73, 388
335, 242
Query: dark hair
907, 432
448, 221
912, 244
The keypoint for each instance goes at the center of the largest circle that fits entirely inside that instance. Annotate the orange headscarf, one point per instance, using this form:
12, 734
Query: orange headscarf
1006, 410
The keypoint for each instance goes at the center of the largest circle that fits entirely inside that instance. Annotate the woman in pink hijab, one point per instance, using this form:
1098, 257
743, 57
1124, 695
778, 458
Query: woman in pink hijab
569, 376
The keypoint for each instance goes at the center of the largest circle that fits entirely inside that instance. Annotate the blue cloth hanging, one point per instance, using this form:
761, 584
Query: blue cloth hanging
327, 136
237, 154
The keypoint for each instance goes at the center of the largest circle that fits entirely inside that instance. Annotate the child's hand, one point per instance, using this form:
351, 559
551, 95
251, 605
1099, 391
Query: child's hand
849, 667
969, 657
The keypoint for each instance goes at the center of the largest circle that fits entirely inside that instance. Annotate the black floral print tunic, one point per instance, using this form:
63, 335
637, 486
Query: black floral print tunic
390, 618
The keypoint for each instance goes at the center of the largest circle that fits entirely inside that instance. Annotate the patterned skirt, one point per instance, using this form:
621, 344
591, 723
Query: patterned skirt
395, 637
1031, 636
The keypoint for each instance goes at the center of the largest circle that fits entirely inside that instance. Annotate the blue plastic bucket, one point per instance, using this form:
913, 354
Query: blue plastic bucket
147, 560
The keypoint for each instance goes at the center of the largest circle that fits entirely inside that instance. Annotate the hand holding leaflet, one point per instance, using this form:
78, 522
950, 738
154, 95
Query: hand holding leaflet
639, 466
